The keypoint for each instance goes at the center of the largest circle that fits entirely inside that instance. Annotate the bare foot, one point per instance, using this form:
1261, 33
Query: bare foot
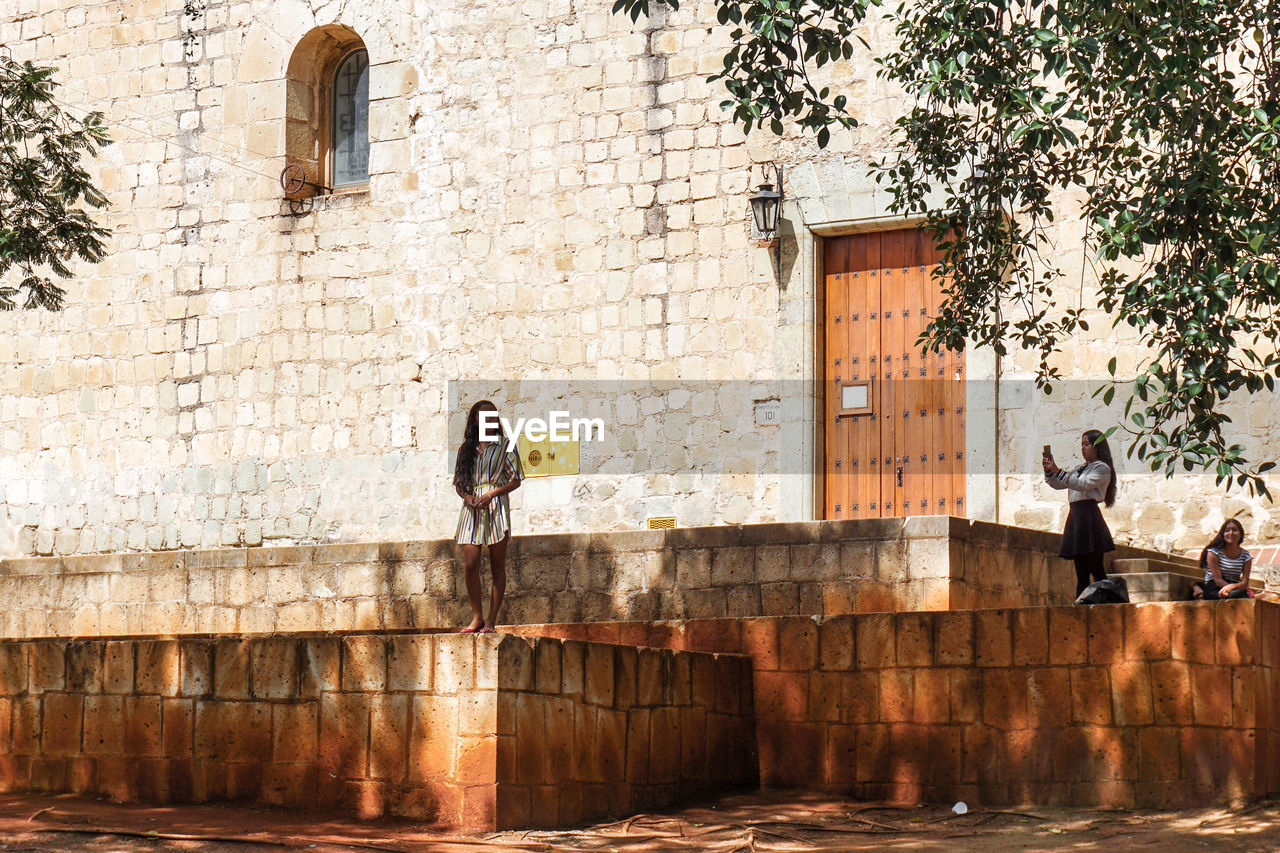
476, 626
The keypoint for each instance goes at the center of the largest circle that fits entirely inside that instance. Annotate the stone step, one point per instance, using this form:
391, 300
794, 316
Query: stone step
1184, 568
1158, 586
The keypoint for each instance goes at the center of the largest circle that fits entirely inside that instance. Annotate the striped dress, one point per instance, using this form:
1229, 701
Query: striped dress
495, 466
1231, 568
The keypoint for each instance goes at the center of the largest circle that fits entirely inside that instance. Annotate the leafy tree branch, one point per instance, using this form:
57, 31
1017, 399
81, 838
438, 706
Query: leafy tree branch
44, 189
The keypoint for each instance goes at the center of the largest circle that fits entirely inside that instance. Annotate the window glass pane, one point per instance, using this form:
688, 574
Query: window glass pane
351, 120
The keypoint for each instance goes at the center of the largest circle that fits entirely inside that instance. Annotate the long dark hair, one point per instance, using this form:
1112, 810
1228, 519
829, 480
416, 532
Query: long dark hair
1220, 540
1096, 438
465, 465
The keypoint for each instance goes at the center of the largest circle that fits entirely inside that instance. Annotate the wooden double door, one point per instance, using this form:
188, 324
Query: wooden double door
895, 420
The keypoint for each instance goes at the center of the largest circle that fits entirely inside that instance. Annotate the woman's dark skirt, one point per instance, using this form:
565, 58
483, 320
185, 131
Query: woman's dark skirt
1086, 532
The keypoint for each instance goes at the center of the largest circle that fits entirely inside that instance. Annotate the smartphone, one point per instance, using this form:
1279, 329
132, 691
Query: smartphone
1047, 453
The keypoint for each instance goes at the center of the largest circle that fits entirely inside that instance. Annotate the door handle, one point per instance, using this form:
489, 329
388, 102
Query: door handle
899, 477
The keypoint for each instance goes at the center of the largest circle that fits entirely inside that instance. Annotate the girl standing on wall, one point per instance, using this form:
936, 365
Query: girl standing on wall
1086, 538
483, 475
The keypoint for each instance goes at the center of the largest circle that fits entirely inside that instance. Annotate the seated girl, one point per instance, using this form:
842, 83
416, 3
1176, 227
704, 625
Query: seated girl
1226, 565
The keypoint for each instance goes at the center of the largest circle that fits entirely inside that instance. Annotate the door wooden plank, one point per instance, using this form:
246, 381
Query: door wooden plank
859, 426
892, 438
835, 264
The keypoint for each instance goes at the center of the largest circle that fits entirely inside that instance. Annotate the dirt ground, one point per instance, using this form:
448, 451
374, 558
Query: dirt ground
762, 821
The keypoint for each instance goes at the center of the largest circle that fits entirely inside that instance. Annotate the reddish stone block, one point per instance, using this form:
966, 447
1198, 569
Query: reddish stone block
611, 745
82, 775
319, 665
142, 726
178, 727
546, 666
545, 804
197, 668
1131, 694
585, 736
760, 642
1091, 695
964, 687
624, 677
931, 703
1068, 635
839, 597
896, 700
478, 760
454, 663
840, 764
26, 725
231, 669
1171, 692
1106, 634
13, 668
631, 634
1211, 694
638, 740
693, 744
782, 696
46, 666
295, 729
1146, 632
702, 684
1191, 628
1004, 698
433, 737
1048, 696
836, 643
84, 667
599, 674
797, 643
515, 807
409, 663
159, 668
945, 755
953, 643
1030, 636
664, 746
103, 733
1234, 625
389, 736
713, 635
1247, 712
682, 680
914, 635
825, 696
50, 775
909, 754
364, 664
61, 724
860, 696
1030, 757
531, 728
876, 646
791, 755
603, 632
652, 688
344, 734
6, 719
993, 638
1159, 754
573, 666
983, 759
290, 785
780, 599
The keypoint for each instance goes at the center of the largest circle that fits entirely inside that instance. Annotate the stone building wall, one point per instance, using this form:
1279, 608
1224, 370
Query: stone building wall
555, 195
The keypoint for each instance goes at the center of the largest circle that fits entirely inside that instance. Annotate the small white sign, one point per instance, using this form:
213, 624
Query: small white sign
768, 412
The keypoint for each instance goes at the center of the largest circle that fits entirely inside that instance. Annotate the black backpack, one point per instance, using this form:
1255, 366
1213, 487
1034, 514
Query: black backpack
1112, 590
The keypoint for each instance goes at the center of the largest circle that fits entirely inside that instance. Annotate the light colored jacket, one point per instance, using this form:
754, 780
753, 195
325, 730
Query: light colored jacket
1086, 482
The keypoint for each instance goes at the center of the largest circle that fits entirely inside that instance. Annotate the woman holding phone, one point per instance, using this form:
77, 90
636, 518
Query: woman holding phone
1085, 538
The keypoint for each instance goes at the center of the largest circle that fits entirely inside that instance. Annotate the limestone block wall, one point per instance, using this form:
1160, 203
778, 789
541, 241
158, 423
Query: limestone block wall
454, 729
1149, 705
927, 563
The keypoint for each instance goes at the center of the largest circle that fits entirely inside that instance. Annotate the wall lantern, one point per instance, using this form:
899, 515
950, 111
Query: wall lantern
766, 206
766, 211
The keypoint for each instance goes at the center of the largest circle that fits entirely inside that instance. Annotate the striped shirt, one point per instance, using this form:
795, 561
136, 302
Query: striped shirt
1231, 568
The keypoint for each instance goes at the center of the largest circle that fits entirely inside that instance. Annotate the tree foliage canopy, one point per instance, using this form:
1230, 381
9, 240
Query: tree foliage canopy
1161, 116
44, 189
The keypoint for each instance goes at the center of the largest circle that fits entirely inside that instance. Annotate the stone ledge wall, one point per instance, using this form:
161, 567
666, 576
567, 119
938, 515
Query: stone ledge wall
1151, 705
442, 727
924, 563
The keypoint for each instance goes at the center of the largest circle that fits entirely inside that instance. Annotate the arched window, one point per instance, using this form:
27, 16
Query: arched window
327, 117
350, 128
